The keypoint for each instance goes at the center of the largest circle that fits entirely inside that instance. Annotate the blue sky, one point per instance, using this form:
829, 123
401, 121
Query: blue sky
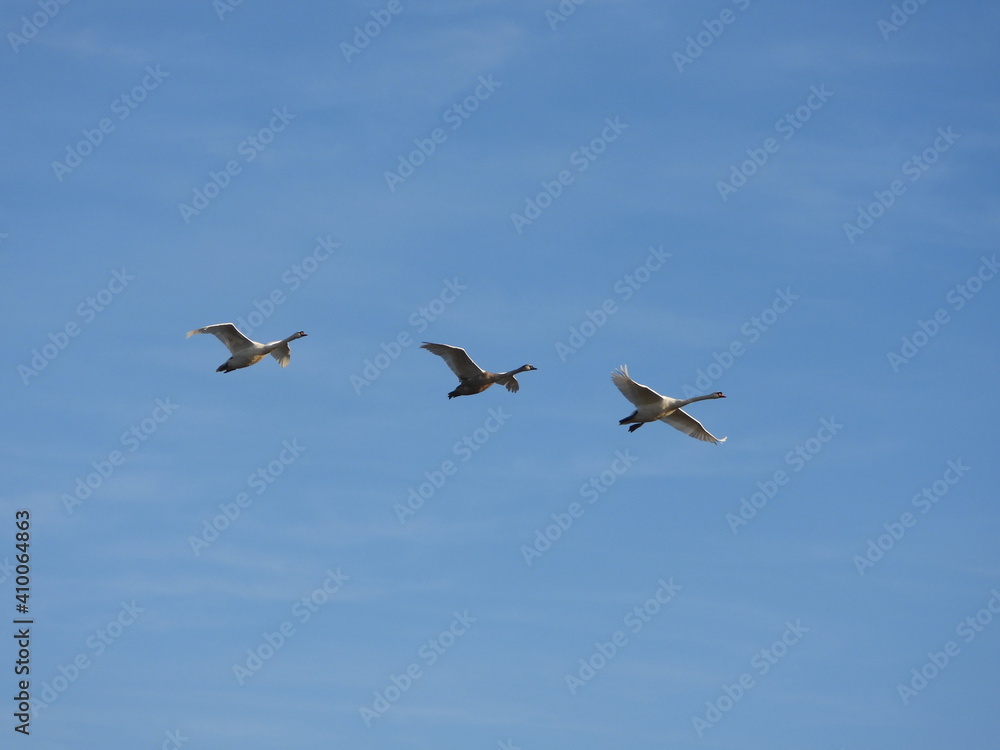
795, 204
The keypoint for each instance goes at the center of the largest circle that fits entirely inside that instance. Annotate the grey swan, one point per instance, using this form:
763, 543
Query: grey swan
474, 379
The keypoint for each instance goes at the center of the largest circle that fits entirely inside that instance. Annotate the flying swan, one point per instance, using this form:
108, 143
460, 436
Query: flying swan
246, 352
651, 406
473, 378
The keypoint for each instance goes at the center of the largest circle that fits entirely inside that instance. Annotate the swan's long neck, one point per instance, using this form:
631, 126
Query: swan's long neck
270, 347
687, 401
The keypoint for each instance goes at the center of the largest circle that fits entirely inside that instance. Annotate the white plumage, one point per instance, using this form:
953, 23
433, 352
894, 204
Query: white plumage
245, 351
650, 406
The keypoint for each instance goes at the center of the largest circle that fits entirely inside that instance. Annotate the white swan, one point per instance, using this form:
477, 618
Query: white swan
651, 406
474, 379
246, 352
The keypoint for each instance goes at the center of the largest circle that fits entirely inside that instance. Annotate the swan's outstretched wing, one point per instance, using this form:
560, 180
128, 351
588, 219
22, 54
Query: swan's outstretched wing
508, 381
690, 426
640, 395
228, 334
456, 358
283, 354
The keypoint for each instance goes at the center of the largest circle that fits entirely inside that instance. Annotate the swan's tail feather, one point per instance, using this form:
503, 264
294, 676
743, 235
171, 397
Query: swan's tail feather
629, 419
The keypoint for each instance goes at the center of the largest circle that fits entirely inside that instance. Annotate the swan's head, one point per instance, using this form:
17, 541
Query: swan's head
525, 368
299, 335
718, 394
